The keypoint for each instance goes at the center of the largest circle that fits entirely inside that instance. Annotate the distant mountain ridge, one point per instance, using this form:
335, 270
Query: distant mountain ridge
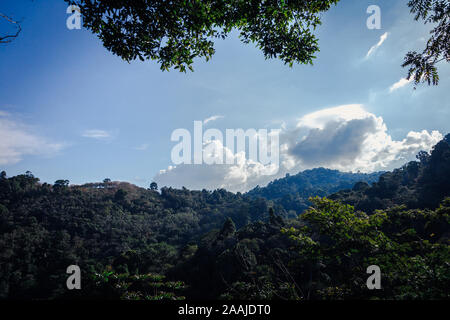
293, 191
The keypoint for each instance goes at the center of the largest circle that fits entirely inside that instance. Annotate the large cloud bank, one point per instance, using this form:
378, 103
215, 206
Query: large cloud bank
346, 138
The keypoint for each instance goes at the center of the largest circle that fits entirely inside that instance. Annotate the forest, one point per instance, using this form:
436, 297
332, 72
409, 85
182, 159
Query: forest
309, 236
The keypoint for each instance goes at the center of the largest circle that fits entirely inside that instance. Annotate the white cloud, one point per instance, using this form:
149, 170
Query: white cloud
349, 138
400, 83
97, 134
320, 118
376, 46
17, 141
346, 138
243, 174
212, 118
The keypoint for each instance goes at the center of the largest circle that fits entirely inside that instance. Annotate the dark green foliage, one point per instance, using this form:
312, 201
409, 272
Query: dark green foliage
136, 243
228, 229
120, 195
245, 265
60, 185
176, 32
324, 254
293, 191
422, 66
111, 285
153, 186
44, 229
337, 244
421, 184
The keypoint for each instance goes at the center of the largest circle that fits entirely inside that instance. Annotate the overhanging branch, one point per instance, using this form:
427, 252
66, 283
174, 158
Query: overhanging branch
10, 37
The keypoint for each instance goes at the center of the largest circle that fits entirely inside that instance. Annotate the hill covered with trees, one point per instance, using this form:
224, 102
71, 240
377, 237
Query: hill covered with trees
44, 228
324, 254
136, 243
418, 184
293, 191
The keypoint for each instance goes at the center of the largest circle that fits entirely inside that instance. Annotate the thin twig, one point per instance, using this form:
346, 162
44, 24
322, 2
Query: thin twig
10, 37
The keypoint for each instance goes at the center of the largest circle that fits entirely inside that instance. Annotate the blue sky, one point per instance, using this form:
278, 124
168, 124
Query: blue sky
70, 109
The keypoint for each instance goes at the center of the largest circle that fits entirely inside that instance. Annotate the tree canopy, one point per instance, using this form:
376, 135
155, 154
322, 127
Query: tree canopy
135, 243
422, 66
417, 184
176, 32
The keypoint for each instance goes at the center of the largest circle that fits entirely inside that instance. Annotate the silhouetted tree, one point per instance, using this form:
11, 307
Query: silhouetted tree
423, 156
59, 184
153, 186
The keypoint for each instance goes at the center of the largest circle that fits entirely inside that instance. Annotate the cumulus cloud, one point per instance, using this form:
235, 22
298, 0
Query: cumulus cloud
319, 119
350, 138
242, 174
400, 83
97, 134
17, 141
376, 46
337, 142
347, 138
212, 118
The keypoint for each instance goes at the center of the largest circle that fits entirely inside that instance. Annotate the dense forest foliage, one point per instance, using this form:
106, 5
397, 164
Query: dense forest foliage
44, 228
324, 255
418, 184
293, 191
135, 243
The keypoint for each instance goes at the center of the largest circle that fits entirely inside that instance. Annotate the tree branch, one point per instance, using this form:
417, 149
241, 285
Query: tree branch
10, 37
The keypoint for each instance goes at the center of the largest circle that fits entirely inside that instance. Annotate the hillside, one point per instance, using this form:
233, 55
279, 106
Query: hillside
136, 243
323, 255
418, 184
44, 228
292, 192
